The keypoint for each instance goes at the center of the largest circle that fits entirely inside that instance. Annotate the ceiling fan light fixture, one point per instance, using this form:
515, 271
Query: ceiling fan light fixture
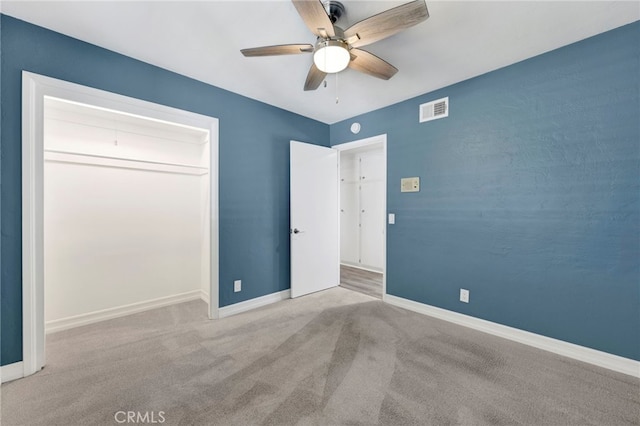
331, 56
337, 49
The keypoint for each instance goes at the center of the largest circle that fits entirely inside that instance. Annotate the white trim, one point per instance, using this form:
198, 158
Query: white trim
34, 89
379, 139
570, 350
364, 268
11, 372
120, 311
247, 305
361, 143
214, 221
32, 226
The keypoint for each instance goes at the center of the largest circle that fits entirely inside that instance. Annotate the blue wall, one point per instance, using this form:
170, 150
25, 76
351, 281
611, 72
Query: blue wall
529, 196
254, 161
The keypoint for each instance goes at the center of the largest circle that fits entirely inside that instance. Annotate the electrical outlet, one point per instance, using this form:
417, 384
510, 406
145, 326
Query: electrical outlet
237, 286
464, 295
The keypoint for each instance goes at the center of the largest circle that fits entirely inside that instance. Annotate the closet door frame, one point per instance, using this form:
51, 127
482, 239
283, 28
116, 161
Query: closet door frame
374, 140
35, 88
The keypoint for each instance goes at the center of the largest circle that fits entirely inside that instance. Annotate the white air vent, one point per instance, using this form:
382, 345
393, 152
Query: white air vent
434, 110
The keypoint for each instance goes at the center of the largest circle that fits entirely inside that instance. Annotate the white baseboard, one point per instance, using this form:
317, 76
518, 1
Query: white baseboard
120, 311
250, 304
570, 350
364, 268
11, 372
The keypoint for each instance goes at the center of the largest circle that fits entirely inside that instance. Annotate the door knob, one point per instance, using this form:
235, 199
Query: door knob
296, 231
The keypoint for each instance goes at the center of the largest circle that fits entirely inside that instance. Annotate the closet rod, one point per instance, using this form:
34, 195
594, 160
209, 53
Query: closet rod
163, 163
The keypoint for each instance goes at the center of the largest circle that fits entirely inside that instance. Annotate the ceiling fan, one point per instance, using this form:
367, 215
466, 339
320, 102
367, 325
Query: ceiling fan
337, 49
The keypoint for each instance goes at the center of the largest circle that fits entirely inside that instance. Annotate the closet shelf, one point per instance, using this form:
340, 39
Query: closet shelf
61, 156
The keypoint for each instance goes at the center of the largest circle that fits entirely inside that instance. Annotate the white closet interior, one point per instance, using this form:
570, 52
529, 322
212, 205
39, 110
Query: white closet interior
362, 213
126, 208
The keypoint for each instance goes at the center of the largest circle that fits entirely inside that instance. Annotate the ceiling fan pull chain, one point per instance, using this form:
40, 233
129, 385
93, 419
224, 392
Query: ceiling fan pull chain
337, 99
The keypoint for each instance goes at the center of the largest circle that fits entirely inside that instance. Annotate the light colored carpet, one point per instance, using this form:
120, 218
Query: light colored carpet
331, 358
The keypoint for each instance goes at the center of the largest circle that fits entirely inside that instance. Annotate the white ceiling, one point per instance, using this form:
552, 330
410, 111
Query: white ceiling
202, 40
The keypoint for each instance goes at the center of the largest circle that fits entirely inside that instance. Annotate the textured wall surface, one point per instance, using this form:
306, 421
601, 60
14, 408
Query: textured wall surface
529, 196
254, 160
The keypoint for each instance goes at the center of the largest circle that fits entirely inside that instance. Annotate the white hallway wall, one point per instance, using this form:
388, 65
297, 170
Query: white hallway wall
117, 236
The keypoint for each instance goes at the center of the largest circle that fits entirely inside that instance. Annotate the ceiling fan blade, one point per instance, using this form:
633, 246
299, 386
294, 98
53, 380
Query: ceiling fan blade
315, 16
387, 23
283, 49
314, 78
368, 63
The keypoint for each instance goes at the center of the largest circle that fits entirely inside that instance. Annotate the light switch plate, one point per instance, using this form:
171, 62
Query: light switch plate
237, 286
392, 218
410, 184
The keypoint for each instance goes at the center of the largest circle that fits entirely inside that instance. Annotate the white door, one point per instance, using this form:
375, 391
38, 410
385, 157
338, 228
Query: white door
314, 219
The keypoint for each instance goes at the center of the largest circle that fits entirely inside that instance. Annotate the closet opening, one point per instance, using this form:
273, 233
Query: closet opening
119, 209
125, 214
362, 215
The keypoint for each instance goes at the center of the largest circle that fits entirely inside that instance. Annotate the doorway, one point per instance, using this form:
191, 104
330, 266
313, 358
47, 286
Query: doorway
363, 182
37, 90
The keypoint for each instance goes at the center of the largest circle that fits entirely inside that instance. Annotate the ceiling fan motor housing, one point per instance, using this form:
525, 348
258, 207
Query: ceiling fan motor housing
334, 9
339, 34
